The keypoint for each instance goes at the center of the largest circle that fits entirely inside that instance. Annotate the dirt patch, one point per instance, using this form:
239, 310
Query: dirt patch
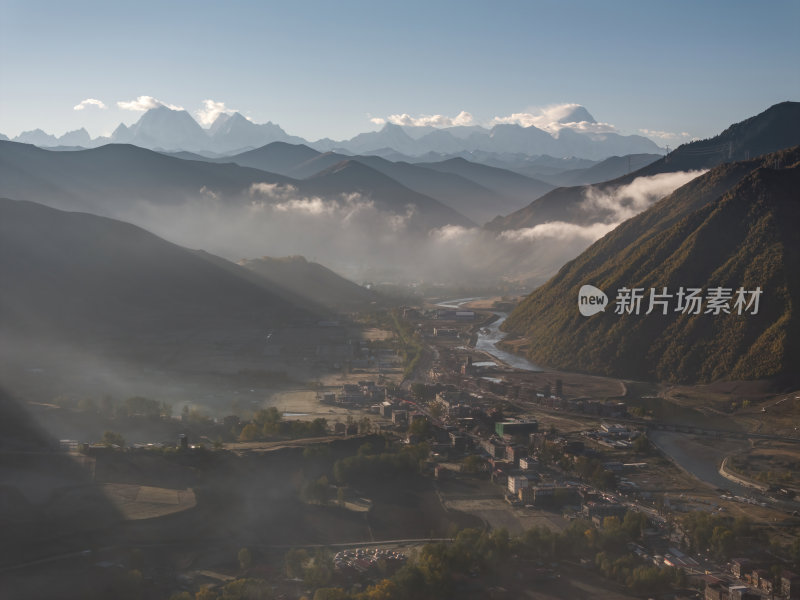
409, 507
136, 502
485, 500
374, 334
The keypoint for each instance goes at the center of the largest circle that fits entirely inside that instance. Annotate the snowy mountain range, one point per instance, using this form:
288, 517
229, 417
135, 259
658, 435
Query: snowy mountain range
165, 129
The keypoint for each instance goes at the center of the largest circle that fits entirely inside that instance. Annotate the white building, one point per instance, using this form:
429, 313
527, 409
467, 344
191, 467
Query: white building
516, 483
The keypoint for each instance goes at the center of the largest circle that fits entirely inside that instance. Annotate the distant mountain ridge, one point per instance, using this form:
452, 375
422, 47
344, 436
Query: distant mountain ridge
477, 191
734, 227
776, 128
165, 129
112, 180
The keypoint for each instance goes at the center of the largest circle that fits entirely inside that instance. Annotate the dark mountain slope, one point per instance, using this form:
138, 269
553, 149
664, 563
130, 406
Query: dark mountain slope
611, 168
776, 128
519, 188
745, 237
461, 193
314, 282
77, 276
98, 179
277, 157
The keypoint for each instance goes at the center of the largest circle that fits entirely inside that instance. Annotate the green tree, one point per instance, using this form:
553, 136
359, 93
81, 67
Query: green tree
420, 428
319, 572
419, 390
318, 491
364, 425
385, 589
641, 445
112, 438
295, 560
331, 593
247, 589
634, 524
474, 464
140, 406
250, 433
436, 409
723, 542
245, 559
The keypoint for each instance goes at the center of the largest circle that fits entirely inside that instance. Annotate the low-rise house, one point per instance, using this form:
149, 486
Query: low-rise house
400, 417
515, 453
604, 509
494, 448
790, 585
516, 483
741, 566
717, 591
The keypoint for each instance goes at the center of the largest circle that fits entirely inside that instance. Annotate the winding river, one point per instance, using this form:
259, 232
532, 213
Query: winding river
488, 338
699, 459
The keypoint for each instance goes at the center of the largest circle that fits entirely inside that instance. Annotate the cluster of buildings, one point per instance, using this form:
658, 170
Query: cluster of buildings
464, 316
364, 394
611, 409
613, 435
754, 581
362, 560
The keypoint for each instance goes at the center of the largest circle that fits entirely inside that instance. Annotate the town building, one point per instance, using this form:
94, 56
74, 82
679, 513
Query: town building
516, 483
400, 417
515, 453
512, 428
790, 585
604, 509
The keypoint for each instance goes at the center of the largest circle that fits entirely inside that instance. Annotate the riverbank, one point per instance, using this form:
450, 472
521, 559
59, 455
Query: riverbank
725, 471
700, 458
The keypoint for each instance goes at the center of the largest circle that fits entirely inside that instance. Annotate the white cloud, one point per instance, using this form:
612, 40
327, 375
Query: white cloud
273, 191
626, 201
552, 119
452, 233
586, 127
345, 208
461, 119
89, 102
143, 103
307, 206
210, 111
353, 235
665, 135
559, 230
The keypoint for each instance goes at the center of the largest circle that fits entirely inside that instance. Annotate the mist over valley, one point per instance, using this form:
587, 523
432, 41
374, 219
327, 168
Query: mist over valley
399, 319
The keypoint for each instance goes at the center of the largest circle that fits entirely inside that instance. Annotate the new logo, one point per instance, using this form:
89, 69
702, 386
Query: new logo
591, 300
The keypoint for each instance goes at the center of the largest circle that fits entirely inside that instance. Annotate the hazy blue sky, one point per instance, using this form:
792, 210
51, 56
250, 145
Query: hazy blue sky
324, 69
